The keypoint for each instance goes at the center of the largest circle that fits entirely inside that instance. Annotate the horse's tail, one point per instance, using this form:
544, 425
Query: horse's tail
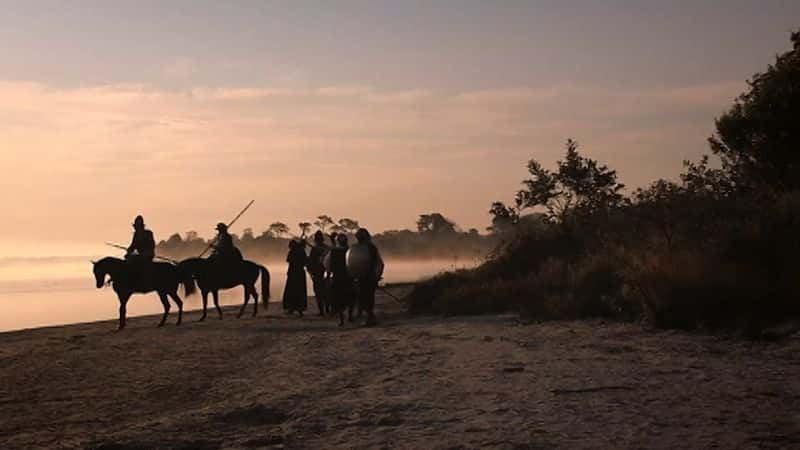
186, 277
264, 285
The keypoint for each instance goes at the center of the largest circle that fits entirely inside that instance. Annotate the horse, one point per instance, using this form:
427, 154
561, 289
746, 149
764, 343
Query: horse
211, 277
165, 280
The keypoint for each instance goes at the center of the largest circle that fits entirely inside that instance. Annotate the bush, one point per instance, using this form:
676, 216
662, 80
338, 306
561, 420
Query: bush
589, 288
738, 271
551, 288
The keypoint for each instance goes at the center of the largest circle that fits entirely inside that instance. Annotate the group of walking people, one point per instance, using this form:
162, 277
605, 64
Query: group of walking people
339, 285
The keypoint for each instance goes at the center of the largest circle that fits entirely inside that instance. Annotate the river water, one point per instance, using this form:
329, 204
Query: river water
36, 292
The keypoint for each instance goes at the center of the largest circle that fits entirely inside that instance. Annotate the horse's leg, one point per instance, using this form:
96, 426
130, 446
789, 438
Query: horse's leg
178, 302
254, 294
165, 304
205, 304
246, 299
215, 294
123, 303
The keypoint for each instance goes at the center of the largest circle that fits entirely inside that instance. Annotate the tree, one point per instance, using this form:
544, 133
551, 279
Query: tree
579, 188
278, 229
758, 139
657, 205
503, 218
349, 225
305, 227
701, 180
323, 222
174, 240
435, 223
247, 235
191, 236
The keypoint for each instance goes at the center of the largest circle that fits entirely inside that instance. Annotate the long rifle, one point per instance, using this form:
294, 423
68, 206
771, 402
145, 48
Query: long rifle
122, 247
211, 244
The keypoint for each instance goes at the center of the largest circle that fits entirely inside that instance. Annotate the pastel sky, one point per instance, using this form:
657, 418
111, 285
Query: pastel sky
185, 110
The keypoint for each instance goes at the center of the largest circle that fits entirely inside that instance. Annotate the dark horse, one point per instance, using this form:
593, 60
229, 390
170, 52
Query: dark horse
211, 279
165, 280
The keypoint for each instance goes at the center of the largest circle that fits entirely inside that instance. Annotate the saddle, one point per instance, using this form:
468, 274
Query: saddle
227, 266
142, 272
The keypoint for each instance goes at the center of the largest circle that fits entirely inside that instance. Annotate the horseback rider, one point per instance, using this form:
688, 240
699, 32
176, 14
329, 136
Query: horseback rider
143, 244
141, 252
225, 253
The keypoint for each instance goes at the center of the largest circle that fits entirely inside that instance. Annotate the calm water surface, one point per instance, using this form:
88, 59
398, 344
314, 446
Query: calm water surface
58, 291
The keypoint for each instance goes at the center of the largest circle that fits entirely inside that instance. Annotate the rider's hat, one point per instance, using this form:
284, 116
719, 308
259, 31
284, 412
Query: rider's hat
221, 227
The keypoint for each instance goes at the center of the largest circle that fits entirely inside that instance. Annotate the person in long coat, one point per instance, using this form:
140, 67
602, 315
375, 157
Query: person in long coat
295, 296
342, 295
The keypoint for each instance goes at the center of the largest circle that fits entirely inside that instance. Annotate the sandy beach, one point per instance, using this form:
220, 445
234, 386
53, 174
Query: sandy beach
429, 382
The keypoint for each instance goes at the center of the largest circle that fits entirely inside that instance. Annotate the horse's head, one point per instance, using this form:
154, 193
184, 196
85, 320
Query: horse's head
101, 269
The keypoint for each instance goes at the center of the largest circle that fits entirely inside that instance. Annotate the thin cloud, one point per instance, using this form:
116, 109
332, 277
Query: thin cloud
182, 67
147, 146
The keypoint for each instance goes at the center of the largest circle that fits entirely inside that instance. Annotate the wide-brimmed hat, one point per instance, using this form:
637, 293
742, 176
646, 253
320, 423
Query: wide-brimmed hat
221, 227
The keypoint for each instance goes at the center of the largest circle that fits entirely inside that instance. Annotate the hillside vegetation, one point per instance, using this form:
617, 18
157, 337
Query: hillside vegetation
717, 249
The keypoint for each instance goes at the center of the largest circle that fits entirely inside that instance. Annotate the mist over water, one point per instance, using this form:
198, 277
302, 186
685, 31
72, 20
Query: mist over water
36, 292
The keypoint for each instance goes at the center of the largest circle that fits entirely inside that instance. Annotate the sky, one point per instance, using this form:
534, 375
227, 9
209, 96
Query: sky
184, 111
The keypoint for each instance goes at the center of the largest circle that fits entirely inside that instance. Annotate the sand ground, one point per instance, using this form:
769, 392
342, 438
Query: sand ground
439, 383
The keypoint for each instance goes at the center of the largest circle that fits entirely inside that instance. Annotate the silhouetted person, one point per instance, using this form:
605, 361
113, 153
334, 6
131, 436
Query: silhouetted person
225, 253
143, 244
333, 236
295, 295
141, 252
316, 269
342, 288
368, 282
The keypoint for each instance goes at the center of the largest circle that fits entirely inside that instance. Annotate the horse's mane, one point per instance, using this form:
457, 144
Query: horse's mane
194, 259
109, 259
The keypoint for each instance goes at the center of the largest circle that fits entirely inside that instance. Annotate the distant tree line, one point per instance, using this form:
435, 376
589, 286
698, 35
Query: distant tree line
436, 237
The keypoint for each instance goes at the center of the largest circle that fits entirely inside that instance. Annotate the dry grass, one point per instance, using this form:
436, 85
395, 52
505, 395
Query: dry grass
737, 275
